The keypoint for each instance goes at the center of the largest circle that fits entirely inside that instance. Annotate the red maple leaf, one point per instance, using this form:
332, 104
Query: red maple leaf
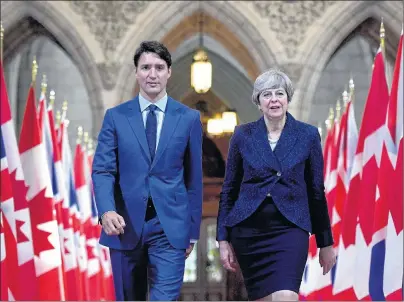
88, 230
20, 234
20, 191
41, 210
90, 251
104, 254
65, 249
13, 272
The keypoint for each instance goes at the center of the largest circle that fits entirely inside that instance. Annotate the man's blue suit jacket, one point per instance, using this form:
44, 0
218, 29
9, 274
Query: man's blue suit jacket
123, 174
292, 174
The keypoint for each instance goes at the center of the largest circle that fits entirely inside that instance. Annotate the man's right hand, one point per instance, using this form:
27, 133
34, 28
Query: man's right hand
112, 223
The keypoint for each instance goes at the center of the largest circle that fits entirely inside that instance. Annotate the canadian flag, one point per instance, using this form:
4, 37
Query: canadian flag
393, 263
15, 210
92, 234
8, 244
68, 249
47, 254
348, 143
71, 218
84, 203
52, 153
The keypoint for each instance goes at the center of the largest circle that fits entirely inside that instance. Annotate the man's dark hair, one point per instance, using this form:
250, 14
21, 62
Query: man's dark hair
153, 47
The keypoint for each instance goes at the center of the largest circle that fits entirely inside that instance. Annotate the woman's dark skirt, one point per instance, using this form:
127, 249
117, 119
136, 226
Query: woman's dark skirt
271, 251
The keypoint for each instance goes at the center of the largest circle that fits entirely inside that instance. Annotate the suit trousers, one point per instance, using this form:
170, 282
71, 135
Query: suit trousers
154, 264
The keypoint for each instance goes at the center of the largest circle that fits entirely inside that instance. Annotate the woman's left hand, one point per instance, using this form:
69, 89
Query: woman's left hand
327, 258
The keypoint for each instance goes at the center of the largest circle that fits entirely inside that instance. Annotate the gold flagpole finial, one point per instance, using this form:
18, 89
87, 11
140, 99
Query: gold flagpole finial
79, 134
85, 140
44, 84
64, 110
351, 89
1, 40
345, 98
331, 117
51, 98
64, 106
34, 70
338, 110
90, 146
58, 117
382, 35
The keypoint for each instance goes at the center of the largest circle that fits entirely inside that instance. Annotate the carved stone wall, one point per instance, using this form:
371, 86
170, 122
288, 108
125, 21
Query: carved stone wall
109, 21
290, 20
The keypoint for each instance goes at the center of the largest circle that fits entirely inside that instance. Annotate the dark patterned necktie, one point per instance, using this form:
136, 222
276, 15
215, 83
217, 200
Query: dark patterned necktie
151, 130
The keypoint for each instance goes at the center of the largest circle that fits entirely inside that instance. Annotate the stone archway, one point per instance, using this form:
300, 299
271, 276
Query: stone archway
229, 84
62, 33
337, 25
255, 54
217, 30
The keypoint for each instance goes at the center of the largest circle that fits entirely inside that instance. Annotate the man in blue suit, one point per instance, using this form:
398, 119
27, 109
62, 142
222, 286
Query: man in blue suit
147, 175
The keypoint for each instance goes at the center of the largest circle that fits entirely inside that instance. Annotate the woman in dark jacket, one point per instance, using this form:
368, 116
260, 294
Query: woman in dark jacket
273, 196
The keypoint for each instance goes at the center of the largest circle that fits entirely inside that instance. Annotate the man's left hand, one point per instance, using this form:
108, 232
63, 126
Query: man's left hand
189, 250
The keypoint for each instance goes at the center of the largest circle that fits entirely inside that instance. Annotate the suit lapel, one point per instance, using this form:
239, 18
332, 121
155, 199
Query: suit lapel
170, 122
287, 139
261, 144
136, 122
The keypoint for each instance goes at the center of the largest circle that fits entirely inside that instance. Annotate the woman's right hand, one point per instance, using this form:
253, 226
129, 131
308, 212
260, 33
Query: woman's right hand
227, 256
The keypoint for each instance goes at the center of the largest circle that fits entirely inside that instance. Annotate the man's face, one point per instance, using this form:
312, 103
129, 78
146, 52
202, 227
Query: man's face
152, 74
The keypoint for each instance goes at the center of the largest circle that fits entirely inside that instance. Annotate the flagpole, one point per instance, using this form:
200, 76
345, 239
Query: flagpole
34, 71
338, 110
90, 146
330, 118
345, 98
44, 84
382, 39
351, 90
383, 49
1, 41
85, 141
64, 111
58, 117
52, 98
79, 135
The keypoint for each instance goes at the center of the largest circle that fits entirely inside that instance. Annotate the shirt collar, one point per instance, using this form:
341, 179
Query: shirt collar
161, 103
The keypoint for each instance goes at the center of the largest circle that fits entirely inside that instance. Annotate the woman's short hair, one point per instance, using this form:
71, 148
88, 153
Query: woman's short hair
272, 79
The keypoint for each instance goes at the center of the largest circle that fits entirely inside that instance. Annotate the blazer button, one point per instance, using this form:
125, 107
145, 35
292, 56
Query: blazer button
278, 174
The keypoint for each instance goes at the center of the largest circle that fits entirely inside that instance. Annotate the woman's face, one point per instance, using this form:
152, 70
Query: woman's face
273, 103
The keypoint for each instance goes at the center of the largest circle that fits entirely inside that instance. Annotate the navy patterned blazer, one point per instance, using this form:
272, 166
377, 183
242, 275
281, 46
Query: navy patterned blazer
292, 174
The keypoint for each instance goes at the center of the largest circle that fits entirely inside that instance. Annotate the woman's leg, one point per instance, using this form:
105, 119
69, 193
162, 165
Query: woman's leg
284, 295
